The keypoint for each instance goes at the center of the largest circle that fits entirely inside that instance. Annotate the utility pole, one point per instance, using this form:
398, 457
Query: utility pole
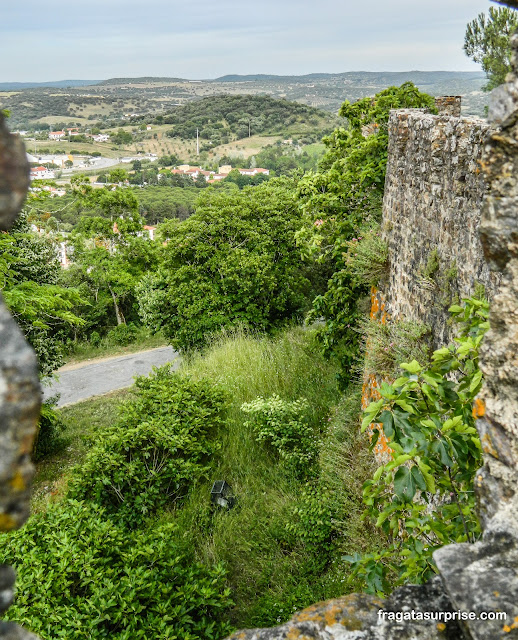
197, 143
249, 134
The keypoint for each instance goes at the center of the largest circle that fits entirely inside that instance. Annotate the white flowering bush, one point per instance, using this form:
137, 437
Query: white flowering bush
284, 426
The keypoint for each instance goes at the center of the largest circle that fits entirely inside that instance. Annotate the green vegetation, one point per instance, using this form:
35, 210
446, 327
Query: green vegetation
427, 416
259, 553
488, 42
274, 568
284, 427
157, 449
234, 262
393, 342
133, 339
341, 202
160, 203
98, 580
367, 257
82, 424
30, 285
270, 407
220, 119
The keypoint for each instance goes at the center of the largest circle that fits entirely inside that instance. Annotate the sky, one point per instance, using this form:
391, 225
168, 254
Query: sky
200, 39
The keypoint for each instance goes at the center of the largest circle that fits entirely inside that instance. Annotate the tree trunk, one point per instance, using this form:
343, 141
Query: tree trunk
118, 312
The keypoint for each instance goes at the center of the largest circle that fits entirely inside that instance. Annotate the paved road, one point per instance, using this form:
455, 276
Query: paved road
83, 381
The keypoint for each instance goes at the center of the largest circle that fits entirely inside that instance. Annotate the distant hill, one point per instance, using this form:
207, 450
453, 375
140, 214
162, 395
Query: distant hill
225, 117
58, 84
143, 80
108, 102
376, 77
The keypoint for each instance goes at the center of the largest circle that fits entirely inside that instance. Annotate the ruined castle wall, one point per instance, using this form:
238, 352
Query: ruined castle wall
431, 216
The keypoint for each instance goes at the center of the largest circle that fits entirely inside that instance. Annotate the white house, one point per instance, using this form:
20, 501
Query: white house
56, 135
41, 173
254, 172
150, 231
101, 137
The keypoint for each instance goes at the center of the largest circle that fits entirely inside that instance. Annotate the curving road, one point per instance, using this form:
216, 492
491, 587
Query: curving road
84, 380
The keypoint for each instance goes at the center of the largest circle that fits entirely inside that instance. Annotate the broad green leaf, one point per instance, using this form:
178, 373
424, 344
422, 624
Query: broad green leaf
407, 481
411, 367
387, 420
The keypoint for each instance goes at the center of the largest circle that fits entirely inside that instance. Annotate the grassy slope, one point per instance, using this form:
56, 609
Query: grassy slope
270, 573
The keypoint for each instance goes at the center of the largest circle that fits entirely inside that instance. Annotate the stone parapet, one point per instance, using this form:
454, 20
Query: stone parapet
431, 217
449, 105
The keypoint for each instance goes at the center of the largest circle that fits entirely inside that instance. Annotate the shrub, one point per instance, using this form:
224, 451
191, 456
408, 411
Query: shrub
96, 580
284, 426
312, 521
157, 449
122, 335
50, 427
367, 257
94, 339
234, 262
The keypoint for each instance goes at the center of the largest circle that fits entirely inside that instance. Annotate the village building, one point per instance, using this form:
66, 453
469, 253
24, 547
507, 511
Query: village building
57, 135
42, 173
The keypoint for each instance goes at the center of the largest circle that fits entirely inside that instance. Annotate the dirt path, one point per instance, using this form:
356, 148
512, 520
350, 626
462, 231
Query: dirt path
78, 382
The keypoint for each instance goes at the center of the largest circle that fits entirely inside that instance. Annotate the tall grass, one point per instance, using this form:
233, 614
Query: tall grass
270, 573
248, 366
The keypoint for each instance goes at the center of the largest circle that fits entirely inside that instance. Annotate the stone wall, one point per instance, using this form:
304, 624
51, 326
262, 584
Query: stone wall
431, 216
449, 105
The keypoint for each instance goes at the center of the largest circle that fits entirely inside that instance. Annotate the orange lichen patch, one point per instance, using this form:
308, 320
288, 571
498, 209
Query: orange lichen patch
496, 594
508, 628
441, 626
311, 614
296, 634
371, 383
333, 615
487, 446
18, 482
7, 522
370, 393
479, 408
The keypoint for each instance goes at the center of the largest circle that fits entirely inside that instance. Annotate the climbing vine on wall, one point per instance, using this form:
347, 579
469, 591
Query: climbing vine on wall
423, 498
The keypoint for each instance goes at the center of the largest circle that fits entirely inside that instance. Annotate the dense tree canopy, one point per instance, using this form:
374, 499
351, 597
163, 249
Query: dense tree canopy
30, 285
487, 41
222, 118
233, 262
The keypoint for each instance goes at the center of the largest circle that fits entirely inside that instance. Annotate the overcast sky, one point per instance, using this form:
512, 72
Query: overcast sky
99, 39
